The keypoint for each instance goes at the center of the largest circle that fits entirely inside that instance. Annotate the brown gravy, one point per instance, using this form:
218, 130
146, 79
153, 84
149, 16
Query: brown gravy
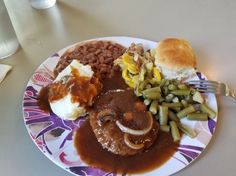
92, 153
42, 100
82, 89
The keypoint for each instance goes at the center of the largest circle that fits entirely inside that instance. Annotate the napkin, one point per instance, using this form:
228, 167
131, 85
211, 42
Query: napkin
4, 69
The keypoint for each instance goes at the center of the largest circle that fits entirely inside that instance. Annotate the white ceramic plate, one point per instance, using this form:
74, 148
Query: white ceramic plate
53, 136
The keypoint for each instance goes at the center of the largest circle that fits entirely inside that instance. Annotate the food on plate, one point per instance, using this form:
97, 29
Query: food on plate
134, 102
73, 91
99, 54
206, 109
75, 68
174, 131
94, 59
123, 127
169, 100
111, 137
137, 65
175, 58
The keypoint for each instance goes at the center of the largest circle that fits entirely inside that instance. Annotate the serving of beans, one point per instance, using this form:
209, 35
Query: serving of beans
98, 54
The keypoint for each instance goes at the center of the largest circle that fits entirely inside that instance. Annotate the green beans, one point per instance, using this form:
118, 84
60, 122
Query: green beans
189, 99
176, 109
165, 128
162, 83
165, 90
205, 108
181, 92
172, 116
197, 116
172, 87
170, 101
147, 102
182, 86
163, 115
186, 111
169, 97
174, 131
197, 96
175, 100
152, 93
153, 107
184, 103
167, 83
172, 105
153, 81
188, 131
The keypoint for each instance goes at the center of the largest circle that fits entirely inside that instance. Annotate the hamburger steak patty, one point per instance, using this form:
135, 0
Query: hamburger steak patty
110, 108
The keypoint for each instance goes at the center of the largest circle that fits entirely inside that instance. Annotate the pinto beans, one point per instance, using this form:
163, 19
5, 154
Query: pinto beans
98, 54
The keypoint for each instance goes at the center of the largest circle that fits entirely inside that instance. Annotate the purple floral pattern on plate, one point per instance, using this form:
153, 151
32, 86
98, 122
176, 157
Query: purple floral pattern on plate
84, 171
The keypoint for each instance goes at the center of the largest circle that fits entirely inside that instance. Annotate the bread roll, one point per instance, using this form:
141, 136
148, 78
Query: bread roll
175, 58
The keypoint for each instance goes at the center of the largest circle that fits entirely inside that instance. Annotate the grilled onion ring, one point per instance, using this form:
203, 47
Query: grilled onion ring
105, 115
136, 132
131, 144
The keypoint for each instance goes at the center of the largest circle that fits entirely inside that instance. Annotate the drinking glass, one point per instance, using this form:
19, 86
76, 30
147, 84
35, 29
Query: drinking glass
42, 4
8, 40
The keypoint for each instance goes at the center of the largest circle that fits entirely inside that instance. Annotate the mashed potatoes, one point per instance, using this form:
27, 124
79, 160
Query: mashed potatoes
73, 90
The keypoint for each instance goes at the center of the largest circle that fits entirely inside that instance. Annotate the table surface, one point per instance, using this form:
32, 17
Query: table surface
209, 26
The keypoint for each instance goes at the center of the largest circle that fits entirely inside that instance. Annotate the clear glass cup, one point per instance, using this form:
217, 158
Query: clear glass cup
42, 4
8, 40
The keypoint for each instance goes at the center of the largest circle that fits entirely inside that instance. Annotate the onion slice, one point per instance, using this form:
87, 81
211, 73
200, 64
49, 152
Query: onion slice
136, 132
131, 144
105, 115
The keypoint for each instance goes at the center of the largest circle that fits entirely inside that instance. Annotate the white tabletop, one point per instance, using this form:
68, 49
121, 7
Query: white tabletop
210, 27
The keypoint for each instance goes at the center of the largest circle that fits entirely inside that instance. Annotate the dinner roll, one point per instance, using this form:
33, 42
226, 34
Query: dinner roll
175, 58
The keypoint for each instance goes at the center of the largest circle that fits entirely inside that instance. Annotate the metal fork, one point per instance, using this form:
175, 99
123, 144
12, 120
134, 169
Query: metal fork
215, 87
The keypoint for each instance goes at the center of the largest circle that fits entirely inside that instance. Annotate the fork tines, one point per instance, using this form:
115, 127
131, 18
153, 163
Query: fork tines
205, 85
